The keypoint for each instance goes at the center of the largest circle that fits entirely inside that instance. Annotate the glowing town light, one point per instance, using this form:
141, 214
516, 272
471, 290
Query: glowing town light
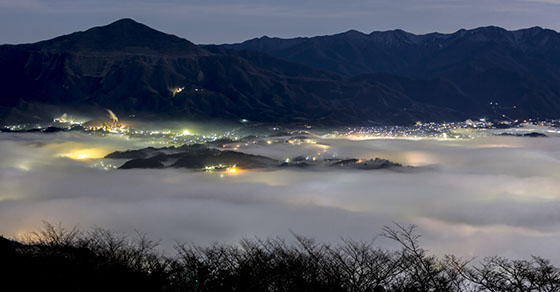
85, 154
232, 170
186, 132
24, 166
61, 119
176, 91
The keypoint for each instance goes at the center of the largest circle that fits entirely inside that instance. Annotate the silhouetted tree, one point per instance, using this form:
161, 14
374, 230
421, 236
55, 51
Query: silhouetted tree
56, 258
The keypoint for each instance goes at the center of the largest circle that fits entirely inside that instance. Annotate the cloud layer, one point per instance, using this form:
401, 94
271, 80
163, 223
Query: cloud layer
489, 195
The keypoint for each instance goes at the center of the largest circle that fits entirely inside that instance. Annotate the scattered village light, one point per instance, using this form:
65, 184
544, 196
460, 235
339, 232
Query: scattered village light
177, 90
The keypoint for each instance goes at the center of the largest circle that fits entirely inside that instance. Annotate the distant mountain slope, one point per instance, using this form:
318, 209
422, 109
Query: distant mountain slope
515, 68
133, 69
124, 36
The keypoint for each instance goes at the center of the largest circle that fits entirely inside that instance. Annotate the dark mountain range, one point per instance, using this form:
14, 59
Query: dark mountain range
489, 64
133, 69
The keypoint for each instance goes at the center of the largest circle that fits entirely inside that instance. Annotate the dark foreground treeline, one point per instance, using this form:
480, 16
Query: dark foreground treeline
57, 259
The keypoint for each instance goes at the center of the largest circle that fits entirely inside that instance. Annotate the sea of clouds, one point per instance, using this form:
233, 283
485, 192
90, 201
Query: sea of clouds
477, 197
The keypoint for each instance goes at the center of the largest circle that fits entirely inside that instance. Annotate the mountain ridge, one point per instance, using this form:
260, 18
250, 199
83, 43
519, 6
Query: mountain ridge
519, 68
134, 69
400, 31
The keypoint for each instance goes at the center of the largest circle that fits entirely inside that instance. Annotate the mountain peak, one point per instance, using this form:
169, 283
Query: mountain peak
122, 36
353, 31
351, 34
125, 21
126, 26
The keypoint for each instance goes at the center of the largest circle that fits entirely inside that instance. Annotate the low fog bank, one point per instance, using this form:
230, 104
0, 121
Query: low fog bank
485, 196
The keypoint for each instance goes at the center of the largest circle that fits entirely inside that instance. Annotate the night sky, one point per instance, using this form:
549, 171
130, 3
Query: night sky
223, 21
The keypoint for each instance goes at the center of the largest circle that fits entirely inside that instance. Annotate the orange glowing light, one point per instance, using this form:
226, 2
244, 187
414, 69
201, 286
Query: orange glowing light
85, 154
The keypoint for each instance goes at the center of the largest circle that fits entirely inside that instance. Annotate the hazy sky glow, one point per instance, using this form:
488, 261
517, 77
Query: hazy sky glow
221, 21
